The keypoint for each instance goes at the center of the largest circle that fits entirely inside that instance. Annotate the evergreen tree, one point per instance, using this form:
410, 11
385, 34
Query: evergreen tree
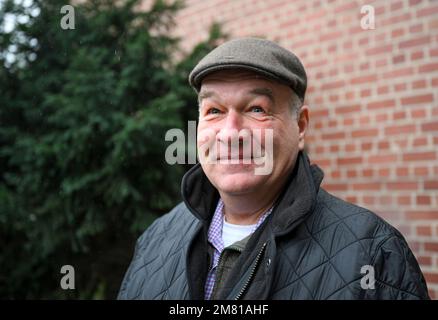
83, 115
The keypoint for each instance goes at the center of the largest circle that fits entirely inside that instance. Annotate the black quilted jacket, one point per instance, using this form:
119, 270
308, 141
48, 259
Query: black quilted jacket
313, 246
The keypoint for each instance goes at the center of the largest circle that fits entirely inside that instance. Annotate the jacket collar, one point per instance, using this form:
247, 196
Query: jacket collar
298, 196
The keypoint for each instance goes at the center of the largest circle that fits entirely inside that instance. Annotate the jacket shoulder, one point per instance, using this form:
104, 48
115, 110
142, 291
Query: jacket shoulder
364, 237
174, 223
158, 263
361, 223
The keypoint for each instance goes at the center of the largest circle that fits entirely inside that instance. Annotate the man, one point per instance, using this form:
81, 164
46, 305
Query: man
278, 235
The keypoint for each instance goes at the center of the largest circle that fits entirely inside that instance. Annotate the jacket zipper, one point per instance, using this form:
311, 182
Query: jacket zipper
251, 275
232, 247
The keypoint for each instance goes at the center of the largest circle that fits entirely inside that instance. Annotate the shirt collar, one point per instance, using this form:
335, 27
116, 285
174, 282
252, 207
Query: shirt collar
216, 225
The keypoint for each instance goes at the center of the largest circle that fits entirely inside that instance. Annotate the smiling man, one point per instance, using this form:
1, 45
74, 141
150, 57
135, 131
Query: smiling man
242, 234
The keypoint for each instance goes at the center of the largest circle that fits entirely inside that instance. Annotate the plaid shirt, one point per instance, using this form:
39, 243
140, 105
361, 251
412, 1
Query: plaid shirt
215, 238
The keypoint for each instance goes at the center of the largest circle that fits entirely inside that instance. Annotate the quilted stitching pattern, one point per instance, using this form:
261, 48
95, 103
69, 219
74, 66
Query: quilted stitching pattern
321, 259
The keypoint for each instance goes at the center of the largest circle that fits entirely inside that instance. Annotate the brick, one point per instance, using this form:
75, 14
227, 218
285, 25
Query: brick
427, 11
422, 41
334, 98
351, 199
333, 136
383, 90
430, 126
350, 147
429, 67
417, 28
333, 85
424, 260
396, 19
398, 73
423, 230
322, 113
402, 185
366, 186
336, 186
364, 79
369, 200
404, 200
334, 148
398, 59
367, 173
348, 121
397, 33
383, 145
423, 200
384, 172
396, 6
351, 173
336, 174
323, 162
330, 36
349, 95
382, 117
431, 246
378, 159
364, 133
379, 50
425, 98
366, 146
381, 104
399, 115
364, 120
419, 84
347, 6
348, 109
333, 123
400, 87
422, 215
418, 113
365, 93
349, 161
414, 2
421, 171
387, 200
431, 185
402, 172
419, 142
433, 52
419, 156
400, 129
417, 55
433, 24
381, 63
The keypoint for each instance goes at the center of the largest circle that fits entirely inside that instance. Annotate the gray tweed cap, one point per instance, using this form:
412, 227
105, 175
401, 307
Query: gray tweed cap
259, 55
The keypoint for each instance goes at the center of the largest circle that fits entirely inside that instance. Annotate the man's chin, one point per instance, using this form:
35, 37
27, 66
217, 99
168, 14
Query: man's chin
239, 183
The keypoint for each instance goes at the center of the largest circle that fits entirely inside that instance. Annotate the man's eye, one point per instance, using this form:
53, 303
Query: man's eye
213, 111
257, 109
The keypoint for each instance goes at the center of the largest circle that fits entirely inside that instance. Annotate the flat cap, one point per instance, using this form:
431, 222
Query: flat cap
259, 55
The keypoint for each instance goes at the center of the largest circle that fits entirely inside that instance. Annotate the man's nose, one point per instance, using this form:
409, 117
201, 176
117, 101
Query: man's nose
231, 127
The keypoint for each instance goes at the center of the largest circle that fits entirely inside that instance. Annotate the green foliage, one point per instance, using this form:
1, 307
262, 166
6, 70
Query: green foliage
83, 115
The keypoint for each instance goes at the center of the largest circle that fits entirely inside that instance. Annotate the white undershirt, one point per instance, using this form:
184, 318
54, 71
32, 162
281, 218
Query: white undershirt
232, 233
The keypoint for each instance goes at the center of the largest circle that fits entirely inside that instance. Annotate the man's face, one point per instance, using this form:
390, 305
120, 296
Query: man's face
240, 101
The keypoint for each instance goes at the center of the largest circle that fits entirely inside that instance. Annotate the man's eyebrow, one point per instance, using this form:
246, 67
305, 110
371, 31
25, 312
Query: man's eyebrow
263, 92
204, 95
256, 91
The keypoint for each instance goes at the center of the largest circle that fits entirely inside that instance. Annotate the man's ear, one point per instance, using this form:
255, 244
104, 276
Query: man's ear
303, 124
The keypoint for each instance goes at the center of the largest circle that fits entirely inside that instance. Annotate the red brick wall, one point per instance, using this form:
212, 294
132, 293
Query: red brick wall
373, 96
